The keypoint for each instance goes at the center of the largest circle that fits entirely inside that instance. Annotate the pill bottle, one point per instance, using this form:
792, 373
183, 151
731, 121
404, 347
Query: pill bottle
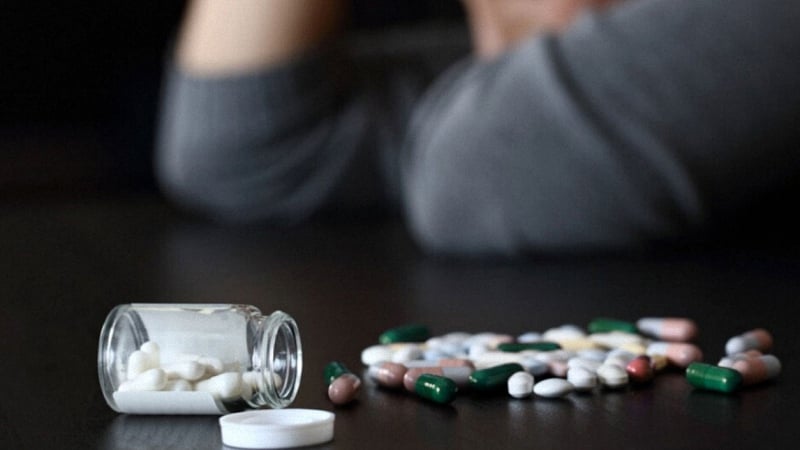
198, 358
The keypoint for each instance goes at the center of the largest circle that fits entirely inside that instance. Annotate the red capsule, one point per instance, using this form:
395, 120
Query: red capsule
640, 369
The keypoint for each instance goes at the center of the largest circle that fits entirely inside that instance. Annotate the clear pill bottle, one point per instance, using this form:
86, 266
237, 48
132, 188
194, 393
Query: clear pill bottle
198, 358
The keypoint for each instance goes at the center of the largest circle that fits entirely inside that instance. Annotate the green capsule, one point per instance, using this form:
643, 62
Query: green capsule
604, 325
334, 370
714, 378
493, 377
405, 333
436, 388
515, 347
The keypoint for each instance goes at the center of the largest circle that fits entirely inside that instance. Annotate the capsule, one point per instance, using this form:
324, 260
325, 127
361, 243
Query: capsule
436, 388
757, 369
727, 361
668, 328
344, 389
605, 325
388, 374
640, 369
405, 333
493, 377
757, 339
714, 378
516, 347
679, 354
459, 375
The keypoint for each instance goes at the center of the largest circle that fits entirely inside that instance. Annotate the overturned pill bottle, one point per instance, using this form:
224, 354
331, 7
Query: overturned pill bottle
198, 358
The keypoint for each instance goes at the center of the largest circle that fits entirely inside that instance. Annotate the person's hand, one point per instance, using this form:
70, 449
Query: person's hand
497, 25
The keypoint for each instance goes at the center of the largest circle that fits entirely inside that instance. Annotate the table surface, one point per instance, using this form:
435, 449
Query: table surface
66, 263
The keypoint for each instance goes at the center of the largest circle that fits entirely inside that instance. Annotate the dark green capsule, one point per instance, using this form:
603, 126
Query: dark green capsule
405, 333
436, 388
334, 370
493, 377
604, 325
522, 346
713, 378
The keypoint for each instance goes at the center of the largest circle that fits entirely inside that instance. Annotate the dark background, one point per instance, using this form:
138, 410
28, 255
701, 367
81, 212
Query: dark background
80, 81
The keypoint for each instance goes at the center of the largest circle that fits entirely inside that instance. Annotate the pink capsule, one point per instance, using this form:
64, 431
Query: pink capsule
727, 361
668, 328
758, 339
679, 354
758, 369
640, 369
344, 389
388, 374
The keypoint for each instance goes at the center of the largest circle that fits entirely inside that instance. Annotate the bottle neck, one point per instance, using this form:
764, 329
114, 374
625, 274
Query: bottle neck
277, 360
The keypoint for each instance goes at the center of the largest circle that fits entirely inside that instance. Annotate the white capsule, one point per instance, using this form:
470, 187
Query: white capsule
493, 358
582, 379
188, 370
153, 351
553, 388
178, 385
612, 375
149, 380
530, 336
376, 354
520, 385
138, 363
225, 386
213, 366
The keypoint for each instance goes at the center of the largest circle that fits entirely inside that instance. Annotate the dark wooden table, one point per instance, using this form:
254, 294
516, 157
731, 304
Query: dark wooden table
66, 263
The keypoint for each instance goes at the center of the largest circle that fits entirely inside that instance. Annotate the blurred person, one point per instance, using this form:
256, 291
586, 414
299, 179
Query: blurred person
574, 125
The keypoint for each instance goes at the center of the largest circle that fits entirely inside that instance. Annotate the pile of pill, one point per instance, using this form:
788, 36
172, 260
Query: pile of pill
145, 371
609, 354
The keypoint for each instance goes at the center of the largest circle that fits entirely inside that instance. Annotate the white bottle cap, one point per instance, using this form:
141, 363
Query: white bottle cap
277, 428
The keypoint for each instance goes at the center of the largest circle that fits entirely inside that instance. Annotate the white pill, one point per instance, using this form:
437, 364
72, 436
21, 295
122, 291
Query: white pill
534, 367
614, 339
619, 357
492, 358
585, 363
612, 375
150, 347
520, 385
530, 336
406, 353
178, 385
553, 388
564, 333
225, 386
138, 363
188, 370
593, 353
213, 366
376, 354
582, 379
149, 380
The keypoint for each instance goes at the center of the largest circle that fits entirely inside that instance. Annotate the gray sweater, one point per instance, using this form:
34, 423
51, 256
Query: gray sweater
636, 125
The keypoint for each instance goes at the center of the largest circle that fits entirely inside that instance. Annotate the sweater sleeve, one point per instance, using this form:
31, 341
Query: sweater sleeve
637, 125
319, 132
